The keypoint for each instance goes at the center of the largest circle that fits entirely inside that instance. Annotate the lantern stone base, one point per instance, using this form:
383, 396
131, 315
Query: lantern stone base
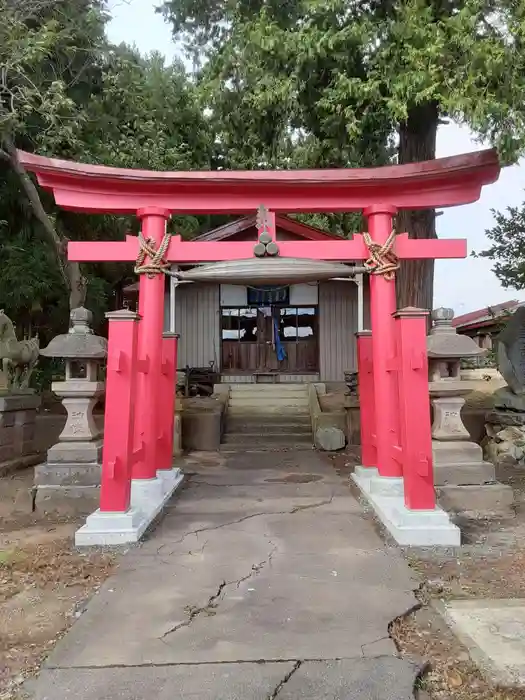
72, 470
408, 527
106, 529
460, 464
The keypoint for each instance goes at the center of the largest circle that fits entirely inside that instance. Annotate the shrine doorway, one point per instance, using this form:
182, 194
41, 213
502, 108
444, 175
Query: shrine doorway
269, 339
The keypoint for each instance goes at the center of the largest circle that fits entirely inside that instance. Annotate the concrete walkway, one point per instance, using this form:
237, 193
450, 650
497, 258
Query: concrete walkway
263, 581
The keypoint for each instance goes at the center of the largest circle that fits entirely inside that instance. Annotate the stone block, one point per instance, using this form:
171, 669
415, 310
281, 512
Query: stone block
27, 447
79, 452
17, 425
353, 425
447, 424
456, 452
7, 420
23, 434
330, 439
7, 452
201, 430
74, 500
17, 463
27, 417
493, 630
7, 436
487, 499
71, 475
464, 474
19, 402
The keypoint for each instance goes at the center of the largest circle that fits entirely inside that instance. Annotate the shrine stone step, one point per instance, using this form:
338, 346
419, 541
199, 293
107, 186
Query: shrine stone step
266, 447
272, 425
254, 407
456, 452
268, 400
284, 388
259, 439
484, 500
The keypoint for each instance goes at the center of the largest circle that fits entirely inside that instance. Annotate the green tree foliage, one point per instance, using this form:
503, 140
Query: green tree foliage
345, 77
47, 62
145, 115
507, 247
65, 92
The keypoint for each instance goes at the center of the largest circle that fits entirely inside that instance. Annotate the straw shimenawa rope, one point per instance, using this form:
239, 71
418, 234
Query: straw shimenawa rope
156, 264
383, 260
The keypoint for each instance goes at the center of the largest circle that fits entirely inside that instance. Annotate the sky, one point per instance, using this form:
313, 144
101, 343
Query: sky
464, 285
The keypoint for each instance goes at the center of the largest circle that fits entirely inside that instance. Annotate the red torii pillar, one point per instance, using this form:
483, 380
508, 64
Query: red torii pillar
383, 305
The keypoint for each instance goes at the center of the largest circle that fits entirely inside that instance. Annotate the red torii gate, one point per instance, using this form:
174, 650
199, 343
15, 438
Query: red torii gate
392, 362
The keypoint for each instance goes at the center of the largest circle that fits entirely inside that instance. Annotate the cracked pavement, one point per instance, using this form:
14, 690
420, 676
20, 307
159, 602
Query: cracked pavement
256, 585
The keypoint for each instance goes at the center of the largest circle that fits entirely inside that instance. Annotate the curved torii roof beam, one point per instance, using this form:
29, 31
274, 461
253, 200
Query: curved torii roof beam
441, 182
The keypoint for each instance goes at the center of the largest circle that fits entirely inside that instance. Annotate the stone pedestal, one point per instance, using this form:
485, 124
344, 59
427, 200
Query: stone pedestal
464, 481
17, 430
460, 464
73, 467
448, 424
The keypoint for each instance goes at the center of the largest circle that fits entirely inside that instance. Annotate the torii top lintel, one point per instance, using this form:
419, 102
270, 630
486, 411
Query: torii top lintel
441, 182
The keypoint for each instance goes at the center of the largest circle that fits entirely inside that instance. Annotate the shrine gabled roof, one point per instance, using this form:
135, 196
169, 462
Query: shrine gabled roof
486, 315
285, 223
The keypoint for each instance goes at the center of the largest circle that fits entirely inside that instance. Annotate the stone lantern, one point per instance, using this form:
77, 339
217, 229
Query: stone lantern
465, 481
446, 349
74, 464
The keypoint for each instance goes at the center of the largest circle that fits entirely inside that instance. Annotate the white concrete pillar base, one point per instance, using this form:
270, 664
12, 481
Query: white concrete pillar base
365, 472
151, 495
408, 527
146, 494
104, 528
387, 485
170, 479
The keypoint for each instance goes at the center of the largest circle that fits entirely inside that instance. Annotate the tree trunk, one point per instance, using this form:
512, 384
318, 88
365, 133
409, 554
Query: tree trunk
417, 142
71, 273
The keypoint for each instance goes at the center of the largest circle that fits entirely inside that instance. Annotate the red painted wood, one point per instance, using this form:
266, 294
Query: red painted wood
166, 400
151, 305
414, 409
211, 251
366, 398
382, 307
117, 455
437, 183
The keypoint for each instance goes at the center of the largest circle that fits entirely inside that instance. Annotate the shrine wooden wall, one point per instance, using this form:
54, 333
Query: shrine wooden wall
197, 320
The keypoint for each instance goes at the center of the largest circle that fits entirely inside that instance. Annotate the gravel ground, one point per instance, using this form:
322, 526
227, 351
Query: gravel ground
44, 581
